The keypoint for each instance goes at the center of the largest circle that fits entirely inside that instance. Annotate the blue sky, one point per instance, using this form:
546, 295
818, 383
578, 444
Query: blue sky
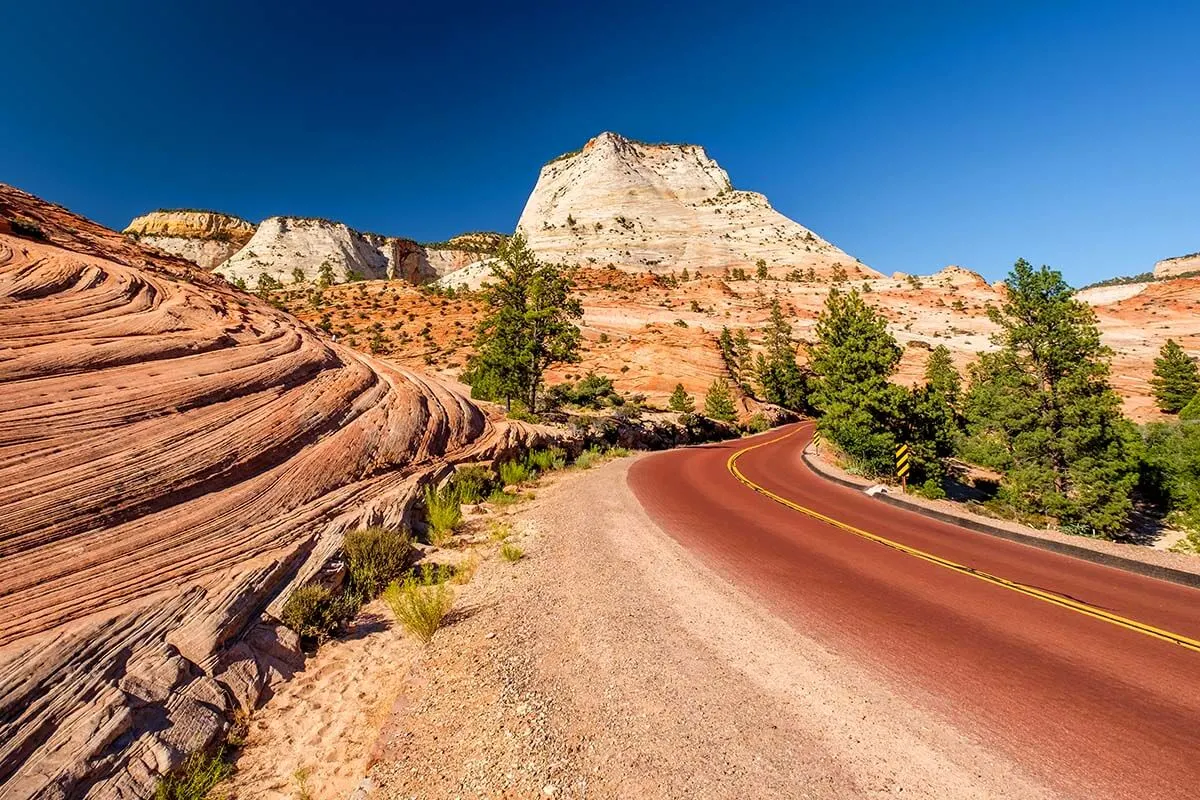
912, 135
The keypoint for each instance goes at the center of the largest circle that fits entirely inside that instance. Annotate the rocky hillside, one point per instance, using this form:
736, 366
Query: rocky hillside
175, 456
1179, 265
658, 208
206, 238
287, 248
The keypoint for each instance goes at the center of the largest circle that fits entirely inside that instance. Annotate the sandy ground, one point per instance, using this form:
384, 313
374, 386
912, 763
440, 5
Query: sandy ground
609, 663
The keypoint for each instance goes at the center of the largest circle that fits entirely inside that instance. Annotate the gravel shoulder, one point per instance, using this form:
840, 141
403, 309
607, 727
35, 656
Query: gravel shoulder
609, 663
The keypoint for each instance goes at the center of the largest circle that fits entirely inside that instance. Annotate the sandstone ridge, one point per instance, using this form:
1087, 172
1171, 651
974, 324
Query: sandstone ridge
1180, 265
206, 238
175, 455
658, 208
285, 248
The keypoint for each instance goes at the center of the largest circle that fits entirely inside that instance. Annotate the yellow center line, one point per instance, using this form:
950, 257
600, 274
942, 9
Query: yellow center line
1021, 588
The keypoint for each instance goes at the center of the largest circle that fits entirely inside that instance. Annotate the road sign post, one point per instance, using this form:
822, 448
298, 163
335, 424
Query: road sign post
902, 466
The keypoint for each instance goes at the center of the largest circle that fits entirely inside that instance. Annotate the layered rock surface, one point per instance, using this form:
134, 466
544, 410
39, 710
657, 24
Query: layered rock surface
658, 208
206, 238
174, 456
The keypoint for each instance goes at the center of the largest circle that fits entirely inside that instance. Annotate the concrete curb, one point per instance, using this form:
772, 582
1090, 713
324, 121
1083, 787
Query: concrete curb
978, 526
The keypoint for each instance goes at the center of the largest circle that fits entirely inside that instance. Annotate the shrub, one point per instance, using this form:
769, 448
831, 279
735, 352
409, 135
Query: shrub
757, 423
196, 778
503, 498
514, 473
510, 552
547, 460
444, 513
931, 490
420, 602
309, 611
374, 557
27, 228
589, 458
472, 484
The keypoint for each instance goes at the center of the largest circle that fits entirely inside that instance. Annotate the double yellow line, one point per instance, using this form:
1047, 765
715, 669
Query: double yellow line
1020, 588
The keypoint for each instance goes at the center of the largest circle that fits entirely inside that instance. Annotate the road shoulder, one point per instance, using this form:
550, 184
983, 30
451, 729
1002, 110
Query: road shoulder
609, 662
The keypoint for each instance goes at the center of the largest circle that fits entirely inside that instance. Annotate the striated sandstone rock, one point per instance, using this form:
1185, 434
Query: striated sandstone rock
174, 456
660, 208
1179, 265
206, 238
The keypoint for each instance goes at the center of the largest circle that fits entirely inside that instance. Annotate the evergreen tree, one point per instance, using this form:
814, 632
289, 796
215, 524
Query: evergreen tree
941, 375
760, 271
782, 381
1042, 409
853, 357
298, 275
718, 403
529, 325
1191, 412
1176, 379
681, 401
745, 359
728, 351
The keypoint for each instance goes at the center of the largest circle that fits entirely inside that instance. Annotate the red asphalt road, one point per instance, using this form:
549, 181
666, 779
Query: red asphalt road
1095, 710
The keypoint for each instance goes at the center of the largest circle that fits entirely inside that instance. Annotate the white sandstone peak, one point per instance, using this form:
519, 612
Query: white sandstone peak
663, 207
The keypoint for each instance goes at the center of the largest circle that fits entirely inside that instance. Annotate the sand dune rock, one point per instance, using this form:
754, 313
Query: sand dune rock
660, 208
174, 455
206, 238
1179, 265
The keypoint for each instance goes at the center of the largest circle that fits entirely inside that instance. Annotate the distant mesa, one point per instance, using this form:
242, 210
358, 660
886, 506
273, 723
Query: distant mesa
288, 247
664, 207
206, 238
284, 247
1180, 265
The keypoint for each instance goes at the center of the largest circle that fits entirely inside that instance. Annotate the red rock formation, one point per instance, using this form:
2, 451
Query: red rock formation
174, 454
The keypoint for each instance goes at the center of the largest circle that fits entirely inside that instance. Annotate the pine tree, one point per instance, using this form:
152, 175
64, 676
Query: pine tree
529, 326
941, 375
760, 271
298, 275
1176, 379
745, 359
783, 382
1042, 408
681, 401
728, 351
718, 403
853, 357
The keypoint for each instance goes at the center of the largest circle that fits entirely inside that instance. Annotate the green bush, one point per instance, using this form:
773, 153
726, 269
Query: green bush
420, 602
374, 557
27, 228
589, 458
547, 460
473, 484
309, 611
196, 778
443, 512
931, 490
503, 498
514, 473
757, 423
510, 552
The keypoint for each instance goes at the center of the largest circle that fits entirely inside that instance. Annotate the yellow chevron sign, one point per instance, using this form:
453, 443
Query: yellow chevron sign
902, 465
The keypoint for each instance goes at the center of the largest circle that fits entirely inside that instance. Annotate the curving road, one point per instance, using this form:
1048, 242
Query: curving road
1042, 669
